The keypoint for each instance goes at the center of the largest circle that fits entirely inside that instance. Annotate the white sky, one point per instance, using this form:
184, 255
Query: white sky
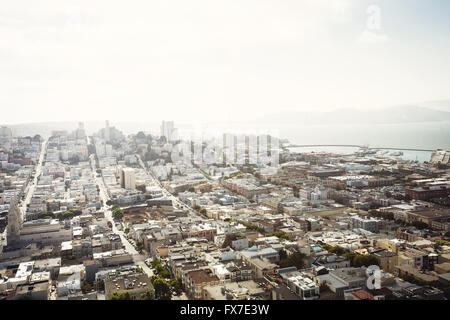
185, 60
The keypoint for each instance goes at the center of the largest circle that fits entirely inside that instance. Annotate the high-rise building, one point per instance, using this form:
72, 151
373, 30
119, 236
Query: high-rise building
14, 222
107, 132
5, 132
168, 130
128, 179
80, 133
5, 137
110, 133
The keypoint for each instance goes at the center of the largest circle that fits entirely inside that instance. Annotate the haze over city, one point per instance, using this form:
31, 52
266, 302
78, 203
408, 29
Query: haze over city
174, 152
200, 61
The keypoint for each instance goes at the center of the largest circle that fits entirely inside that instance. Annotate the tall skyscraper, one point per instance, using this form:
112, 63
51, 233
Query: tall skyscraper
5, 137
128, 179
80, 133
5, 132
14, 222
168, 130
107, 132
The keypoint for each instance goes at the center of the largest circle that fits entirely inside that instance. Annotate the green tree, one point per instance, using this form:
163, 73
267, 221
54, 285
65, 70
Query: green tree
162, 289
120, 296
294, 260
359, 260
159, 268
141, 188
117, 212
337, 250
283, 255
147, 295
46, 215
165, 274
420, 225
443, 243
278, 234
175, 285
154, 262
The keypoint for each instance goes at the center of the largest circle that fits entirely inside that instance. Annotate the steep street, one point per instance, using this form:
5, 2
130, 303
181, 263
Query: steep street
139, 259
29, 191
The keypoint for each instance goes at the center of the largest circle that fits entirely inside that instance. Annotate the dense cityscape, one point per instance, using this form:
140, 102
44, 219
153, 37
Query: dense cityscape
109, 216
210, 159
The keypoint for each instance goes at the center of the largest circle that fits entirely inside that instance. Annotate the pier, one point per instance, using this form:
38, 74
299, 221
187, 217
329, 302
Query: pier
354, 146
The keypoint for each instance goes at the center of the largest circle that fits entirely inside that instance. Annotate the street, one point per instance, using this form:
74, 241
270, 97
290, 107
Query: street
166, 193
29, 190
138, 258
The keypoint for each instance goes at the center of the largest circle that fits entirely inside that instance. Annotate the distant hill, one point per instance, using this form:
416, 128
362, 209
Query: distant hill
443, 105
400, 114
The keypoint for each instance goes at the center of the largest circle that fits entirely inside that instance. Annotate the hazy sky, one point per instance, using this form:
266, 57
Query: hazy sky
206, 59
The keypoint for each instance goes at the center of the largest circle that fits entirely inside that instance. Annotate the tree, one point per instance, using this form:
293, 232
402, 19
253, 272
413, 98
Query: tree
162, 289
120, 296
140, 246
46, 215
228, 242
334, 249
337, 250
159, 269
141, 188
175, 285
359, 260
147, 295
69, 214
165, 274
117, 212
443, 243
294, 260
154, 262
283, 255
278, 234
141, 135
87, 287
420, 225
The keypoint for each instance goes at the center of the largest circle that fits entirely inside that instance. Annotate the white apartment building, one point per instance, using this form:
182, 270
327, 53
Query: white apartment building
128, 178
